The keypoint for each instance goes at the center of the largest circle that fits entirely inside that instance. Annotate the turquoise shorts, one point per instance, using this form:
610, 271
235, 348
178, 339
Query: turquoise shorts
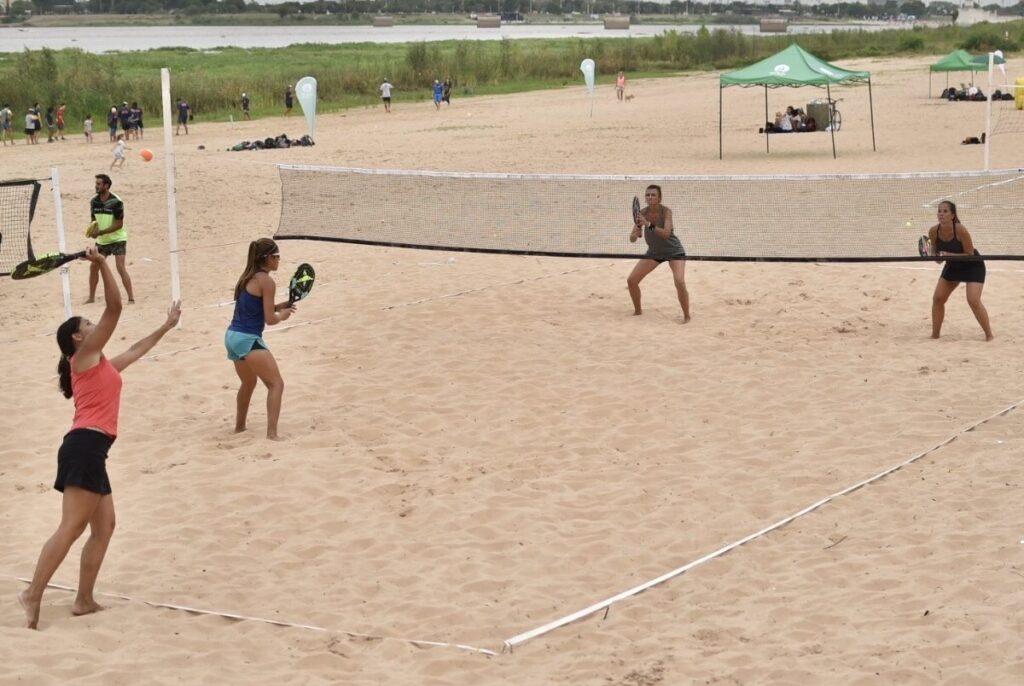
241, 344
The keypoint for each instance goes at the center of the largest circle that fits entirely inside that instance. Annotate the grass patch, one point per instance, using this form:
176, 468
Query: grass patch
349, 74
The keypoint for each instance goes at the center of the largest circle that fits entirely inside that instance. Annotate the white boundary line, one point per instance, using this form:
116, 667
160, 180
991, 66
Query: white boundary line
275, 622
509, 644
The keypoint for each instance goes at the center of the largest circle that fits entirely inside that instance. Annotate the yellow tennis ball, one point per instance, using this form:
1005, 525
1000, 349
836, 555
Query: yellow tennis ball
908, 225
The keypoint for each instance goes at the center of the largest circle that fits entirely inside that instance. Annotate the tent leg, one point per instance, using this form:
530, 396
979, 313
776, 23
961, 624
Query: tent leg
767, 136
719, 121
871, 108
831, 124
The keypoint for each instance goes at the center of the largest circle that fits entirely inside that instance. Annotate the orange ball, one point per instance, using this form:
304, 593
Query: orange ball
147, 154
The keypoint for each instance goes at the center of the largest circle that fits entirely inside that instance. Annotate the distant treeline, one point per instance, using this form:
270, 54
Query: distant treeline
360, 11
349, 74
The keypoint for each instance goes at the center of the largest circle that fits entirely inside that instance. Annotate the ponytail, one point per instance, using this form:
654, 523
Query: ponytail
259, 251
67, 349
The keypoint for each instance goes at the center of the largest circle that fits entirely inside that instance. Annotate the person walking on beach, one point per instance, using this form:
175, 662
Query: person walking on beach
656, 228
245, 107
254, 308
950, 237
6, 124
87, 128
620, 85
61, 110
107, 211
289, 100
112, 120
51, 125
385, 94
184, 114
447, 96
94, 382
438, 94
31, 123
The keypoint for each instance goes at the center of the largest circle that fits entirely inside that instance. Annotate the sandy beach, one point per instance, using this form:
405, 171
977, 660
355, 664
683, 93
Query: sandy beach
479, 446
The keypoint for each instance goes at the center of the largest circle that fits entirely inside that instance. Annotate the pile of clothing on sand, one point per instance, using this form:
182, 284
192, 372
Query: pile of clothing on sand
282, 141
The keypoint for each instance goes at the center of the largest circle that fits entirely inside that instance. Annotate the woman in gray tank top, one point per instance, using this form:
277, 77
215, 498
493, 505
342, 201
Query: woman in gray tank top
655, 225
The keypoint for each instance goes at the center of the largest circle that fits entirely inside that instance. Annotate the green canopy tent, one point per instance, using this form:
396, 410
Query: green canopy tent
793, 67
961, 60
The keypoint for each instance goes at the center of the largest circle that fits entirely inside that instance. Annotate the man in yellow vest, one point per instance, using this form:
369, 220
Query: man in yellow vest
107, 228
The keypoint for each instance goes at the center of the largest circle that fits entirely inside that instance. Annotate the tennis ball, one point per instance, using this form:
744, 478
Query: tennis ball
908, 225
146, 154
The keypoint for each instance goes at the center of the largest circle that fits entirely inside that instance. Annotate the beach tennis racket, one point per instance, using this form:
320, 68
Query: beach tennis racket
301, 283
922, 246
43, 264
636, 210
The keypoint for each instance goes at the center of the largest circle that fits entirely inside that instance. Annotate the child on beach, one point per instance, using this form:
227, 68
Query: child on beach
87, 127
119, 149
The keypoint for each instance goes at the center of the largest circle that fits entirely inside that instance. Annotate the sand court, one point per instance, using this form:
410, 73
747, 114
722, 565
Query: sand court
478, 446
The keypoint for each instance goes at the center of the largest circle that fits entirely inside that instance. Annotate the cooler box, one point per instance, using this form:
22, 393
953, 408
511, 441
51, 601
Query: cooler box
821, 113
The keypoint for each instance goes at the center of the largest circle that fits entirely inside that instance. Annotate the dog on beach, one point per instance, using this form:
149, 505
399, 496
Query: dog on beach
629, 97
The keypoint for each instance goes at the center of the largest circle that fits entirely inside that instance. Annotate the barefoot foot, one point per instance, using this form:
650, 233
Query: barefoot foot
31, 610
85, 607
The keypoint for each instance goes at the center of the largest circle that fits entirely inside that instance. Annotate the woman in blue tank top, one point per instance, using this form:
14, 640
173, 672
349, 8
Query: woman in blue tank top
655, 226
255, 307
950, 237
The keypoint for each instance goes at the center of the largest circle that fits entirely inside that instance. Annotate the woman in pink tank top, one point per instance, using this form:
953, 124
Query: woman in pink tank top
95, 383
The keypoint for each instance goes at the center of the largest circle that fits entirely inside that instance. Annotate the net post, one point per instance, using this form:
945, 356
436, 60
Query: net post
58, 210
988, 114
172, 211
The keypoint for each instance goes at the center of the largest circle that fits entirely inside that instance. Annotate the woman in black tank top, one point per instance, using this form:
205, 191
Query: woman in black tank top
950, 237
655, 227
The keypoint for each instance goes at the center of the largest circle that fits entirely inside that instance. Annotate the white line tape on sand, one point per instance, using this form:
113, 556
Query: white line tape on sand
275, 622
519, 639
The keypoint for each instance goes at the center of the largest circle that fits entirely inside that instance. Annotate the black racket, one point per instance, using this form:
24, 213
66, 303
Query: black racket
43, 264
922, 246
636, 210
301, 283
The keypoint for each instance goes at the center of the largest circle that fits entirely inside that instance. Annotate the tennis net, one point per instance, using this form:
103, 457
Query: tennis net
841, 218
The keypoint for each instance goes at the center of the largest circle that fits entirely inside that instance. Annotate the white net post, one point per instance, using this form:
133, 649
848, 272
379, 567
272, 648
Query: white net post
988, 114
58, 209
172, 210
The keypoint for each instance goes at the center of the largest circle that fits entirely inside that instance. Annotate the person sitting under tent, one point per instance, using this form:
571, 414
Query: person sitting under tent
782, 124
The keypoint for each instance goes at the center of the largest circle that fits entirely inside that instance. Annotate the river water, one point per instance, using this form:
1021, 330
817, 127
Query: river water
99, 39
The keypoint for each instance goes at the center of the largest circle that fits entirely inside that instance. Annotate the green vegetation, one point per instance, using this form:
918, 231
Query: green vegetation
348, 75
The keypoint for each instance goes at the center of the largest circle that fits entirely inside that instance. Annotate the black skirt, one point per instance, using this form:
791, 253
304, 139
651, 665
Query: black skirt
965, 272
82, 461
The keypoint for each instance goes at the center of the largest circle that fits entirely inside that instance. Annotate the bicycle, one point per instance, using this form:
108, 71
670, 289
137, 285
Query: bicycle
835, 116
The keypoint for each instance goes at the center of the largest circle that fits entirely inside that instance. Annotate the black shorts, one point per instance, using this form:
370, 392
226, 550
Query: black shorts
964, 272
82, 461
660, 259
119, 248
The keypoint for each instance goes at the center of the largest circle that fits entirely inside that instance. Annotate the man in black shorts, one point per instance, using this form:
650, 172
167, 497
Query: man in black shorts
289, 99
245, 106
184, 114
111, 236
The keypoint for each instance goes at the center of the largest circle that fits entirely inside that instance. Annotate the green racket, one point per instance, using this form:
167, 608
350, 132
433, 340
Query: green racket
43, 264
301, 283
